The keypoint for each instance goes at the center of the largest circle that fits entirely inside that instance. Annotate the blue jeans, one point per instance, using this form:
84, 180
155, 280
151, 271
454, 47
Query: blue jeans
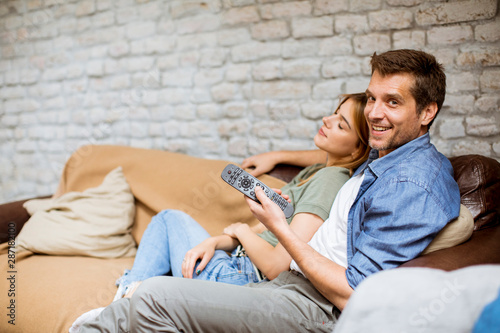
168, 237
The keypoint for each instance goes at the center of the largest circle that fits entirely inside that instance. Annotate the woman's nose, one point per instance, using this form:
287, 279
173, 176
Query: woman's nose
328, 119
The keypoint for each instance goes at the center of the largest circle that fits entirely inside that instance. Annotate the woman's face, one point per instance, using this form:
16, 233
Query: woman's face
338, 136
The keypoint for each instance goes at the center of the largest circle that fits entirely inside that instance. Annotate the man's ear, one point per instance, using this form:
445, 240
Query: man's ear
428, 113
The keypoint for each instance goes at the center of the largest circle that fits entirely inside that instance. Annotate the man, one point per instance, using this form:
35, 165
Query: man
392, 208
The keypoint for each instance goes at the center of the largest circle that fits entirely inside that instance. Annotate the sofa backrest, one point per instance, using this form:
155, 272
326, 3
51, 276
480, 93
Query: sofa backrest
163, 180
478, 178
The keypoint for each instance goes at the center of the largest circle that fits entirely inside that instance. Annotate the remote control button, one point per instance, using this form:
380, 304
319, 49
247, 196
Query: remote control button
246, 183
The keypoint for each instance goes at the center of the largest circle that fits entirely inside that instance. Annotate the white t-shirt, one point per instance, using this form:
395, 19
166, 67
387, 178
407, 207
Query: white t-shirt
331, 238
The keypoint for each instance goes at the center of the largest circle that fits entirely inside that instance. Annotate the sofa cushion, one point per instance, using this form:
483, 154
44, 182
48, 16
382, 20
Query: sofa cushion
456, 232
52, 291
96, 222
479, 180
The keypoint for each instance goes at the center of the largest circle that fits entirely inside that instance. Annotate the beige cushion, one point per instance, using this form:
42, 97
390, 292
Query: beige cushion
454, 233
96, 222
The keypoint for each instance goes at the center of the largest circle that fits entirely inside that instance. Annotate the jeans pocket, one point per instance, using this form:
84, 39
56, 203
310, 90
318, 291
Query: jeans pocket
237, 270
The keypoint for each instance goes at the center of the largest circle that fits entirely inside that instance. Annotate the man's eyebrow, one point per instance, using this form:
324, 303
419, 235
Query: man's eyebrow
346, 121
394, 96
387, 96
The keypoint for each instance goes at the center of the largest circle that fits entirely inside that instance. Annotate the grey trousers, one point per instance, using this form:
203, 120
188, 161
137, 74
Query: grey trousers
165, 304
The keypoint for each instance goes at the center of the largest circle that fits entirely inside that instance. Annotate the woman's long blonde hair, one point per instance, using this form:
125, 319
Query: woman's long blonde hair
361, 128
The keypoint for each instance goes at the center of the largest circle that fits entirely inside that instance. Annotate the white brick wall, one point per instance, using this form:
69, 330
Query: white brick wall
222, 78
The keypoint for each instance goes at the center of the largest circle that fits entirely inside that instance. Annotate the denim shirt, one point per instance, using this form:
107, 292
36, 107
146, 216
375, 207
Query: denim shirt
405, 199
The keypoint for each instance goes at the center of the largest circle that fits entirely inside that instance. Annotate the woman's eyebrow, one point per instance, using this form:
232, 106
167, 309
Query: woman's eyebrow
346, 121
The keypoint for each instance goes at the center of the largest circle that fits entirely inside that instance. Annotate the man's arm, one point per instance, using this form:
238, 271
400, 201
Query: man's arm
327, 277
265, 162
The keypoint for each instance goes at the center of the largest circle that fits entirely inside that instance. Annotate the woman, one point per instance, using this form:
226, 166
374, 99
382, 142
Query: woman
166, 242
173, 242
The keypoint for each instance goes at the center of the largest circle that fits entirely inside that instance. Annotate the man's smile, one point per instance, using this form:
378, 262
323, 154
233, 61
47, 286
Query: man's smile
380, 128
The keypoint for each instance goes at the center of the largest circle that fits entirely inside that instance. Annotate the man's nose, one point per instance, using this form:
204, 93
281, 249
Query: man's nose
375, 111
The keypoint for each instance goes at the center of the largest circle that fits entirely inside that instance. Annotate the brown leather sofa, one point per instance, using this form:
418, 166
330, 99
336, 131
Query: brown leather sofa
477, 176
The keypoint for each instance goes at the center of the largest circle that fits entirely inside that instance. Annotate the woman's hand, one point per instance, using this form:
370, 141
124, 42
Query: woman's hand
263, 163
232, 229
204, 252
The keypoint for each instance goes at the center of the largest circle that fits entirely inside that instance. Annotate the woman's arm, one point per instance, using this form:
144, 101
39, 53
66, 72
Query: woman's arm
271, 261
265, 162
258, 228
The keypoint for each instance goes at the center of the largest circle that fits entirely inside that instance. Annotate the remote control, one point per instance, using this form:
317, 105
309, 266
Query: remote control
246, 183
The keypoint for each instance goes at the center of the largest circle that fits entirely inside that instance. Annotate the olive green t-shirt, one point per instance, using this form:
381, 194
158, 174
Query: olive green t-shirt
316, 196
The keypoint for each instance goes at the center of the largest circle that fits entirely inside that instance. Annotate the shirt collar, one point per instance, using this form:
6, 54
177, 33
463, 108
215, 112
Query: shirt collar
379, 165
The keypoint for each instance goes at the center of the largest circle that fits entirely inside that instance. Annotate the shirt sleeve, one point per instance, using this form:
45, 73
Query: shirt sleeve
393, 231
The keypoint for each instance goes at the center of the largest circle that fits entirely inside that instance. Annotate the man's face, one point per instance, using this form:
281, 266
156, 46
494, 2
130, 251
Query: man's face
391, 112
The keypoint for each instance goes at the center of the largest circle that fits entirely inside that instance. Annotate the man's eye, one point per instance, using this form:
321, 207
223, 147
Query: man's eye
371, 99
393, 102
340, 126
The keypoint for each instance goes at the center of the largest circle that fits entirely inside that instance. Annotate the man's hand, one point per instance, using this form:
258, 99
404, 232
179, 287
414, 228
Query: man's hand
265, 162
284, 196
267, 211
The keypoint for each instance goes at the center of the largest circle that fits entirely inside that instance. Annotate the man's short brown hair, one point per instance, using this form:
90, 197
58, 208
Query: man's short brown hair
430, 80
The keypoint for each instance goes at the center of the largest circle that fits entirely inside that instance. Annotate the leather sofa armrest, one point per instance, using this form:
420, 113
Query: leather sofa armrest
285, 172
13, 216
482, 248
